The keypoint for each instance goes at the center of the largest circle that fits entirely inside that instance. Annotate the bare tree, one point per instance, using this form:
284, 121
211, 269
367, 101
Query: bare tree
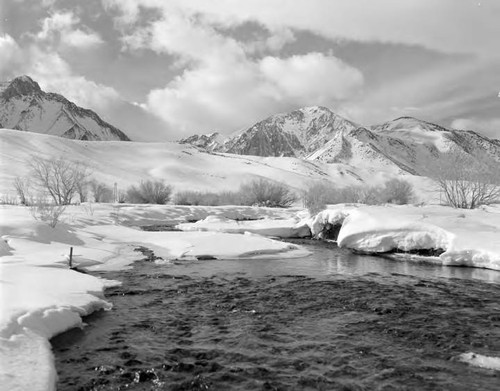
60, 178
82, 189
467, 181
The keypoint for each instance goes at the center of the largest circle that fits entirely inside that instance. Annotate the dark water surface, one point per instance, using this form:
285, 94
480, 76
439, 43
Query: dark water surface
330, 321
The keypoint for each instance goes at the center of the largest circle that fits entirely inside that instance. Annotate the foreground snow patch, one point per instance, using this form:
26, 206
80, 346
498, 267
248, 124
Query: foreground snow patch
481, 361
37, 303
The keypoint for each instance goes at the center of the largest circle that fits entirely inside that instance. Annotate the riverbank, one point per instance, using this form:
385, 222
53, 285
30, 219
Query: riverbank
41, 297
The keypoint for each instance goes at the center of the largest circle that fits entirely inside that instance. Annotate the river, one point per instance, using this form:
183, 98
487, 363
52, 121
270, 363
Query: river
330, 321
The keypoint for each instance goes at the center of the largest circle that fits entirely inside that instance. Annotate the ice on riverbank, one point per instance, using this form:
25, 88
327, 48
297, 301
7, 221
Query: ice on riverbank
467, 237
283, 228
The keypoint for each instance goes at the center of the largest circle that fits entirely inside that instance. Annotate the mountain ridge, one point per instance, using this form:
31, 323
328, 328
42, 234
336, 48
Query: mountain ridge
24, 106
316, 133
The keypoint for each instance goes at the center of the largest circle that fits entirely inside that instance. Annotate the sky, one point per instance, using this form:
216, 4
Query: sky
161, 70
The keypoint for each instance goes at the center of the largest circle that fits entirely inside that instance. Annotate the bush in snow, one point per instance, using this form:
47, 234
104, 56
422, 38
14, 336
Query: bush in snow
101, 191
149, 192
397, 191
316, 197
43, 210
263, 192
465, 180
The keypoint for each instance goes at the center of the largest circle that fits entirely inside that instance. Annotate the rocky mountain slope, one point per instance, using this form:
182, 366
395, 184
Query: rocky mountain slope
318, 134
24, 106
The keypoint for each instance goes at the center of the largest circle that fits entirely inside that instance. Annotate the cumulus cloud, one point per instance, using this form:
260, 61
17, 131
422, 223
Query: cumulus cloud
11, 54
53, 73
221, 87
62, 26
447, 25
312, 77
236, 93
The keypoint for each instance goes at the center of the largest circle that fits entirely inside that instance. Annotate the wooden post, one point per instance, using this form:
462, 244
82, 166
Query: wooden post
71, 257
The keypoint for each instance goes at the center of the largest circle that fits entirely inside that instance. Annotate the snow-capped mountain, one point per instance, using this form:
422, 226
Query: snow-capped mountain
209, 142
295, 134
24, 106
318, 134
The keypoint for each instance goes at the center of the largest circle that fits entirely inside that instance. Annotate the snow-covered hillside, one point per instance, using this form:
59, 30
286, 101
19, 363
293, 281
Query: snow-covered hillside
24, 106
317, 134
183, 166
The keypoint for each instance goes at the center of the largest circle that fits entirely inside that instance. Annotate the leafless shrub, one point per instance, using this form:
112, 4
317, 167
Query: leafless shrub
101, 191
397, 191
60, 178
263, 192
466, 181
88, 208
317, 196
22, 189
48, 212
121, 196
149, 192
9, 199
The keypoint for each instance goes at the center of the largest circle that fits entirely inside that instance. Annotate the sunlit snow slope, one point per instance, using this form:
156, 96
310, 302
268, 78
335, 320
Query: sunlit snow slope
183, 166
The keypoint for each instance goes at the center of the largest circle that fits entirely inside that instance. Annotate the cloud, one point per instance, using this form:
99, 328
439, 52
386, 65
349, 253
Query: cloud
185, 36
448, 26
467, 89
61, 26
11, 53
273, 42
313, 77
221, 87
489, 127
227, 95
53, 73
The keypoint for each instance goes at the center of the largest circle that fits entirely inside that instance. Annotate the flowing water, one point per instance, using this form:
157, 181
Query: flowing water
329, 321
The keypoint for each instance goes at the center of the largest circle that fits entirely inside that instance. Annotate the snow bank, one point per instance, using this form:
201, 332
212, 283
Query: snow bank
369, 231
284, 228
38, 303
468, 237
481, 361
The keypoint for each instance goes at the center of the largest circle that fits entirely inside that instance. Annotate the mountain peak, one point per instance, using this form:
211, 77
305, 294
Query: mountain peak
25, 106
22, 85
